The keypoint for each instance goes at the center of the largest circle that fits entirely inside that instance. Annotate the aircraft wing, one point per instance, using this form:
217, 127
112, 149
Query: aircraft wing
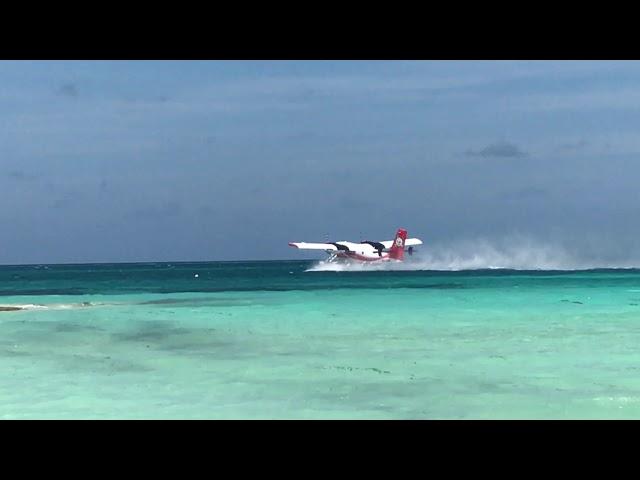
314, 246
409, 242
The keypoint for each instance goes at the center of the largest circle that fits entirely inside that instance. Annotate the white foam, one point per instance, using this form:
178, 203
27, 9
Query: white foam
30, 306
51, 306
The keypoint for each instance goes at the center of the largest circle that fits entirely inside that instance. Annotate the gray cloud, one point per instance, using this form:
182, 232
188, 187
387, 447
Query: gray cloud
502, 149
573, 146
68, 90
22, 176
68, 200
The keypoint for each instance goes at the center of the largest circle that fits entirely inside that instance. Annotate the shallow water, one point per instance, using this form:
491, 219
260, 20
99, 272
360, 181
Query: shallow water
272, 340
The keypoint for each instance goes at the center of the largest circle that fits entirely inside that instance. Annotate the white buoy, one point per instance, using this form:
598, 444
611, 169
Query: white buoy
196, 275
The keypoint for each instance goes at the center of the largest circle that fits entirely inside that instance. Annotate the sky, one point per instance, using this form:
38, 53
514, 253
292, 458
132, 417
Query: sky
122, 161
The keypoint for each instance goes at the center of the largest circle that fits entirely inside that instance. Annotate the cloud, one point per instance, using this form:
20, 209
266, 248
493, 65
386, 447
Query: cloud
68, 199
503, 149
22, 176
573, 146
68, 90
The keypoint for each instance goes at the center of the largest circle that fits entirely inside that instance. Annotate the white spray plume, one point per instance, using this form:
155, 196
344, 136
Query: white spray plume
515, 252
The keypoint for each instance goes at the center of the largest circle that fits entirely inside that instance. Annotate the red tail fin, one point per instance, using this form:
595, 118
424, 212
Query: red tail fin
397, 249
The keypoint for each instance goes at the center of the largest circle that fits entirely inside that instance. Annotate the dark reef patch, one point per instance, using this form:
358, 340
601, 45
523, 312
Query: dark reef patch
199, 302
351, 369
101, 363
169, 338
68, 327
154, 332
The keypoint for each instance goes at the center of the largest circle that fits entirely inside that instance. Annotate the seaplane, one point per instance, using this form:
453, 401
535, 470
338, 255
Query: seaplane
366, 251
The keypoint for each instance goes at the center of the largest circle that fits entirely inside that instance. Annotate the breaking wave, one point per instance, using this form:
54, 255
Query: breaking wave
52, 306
515, 254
